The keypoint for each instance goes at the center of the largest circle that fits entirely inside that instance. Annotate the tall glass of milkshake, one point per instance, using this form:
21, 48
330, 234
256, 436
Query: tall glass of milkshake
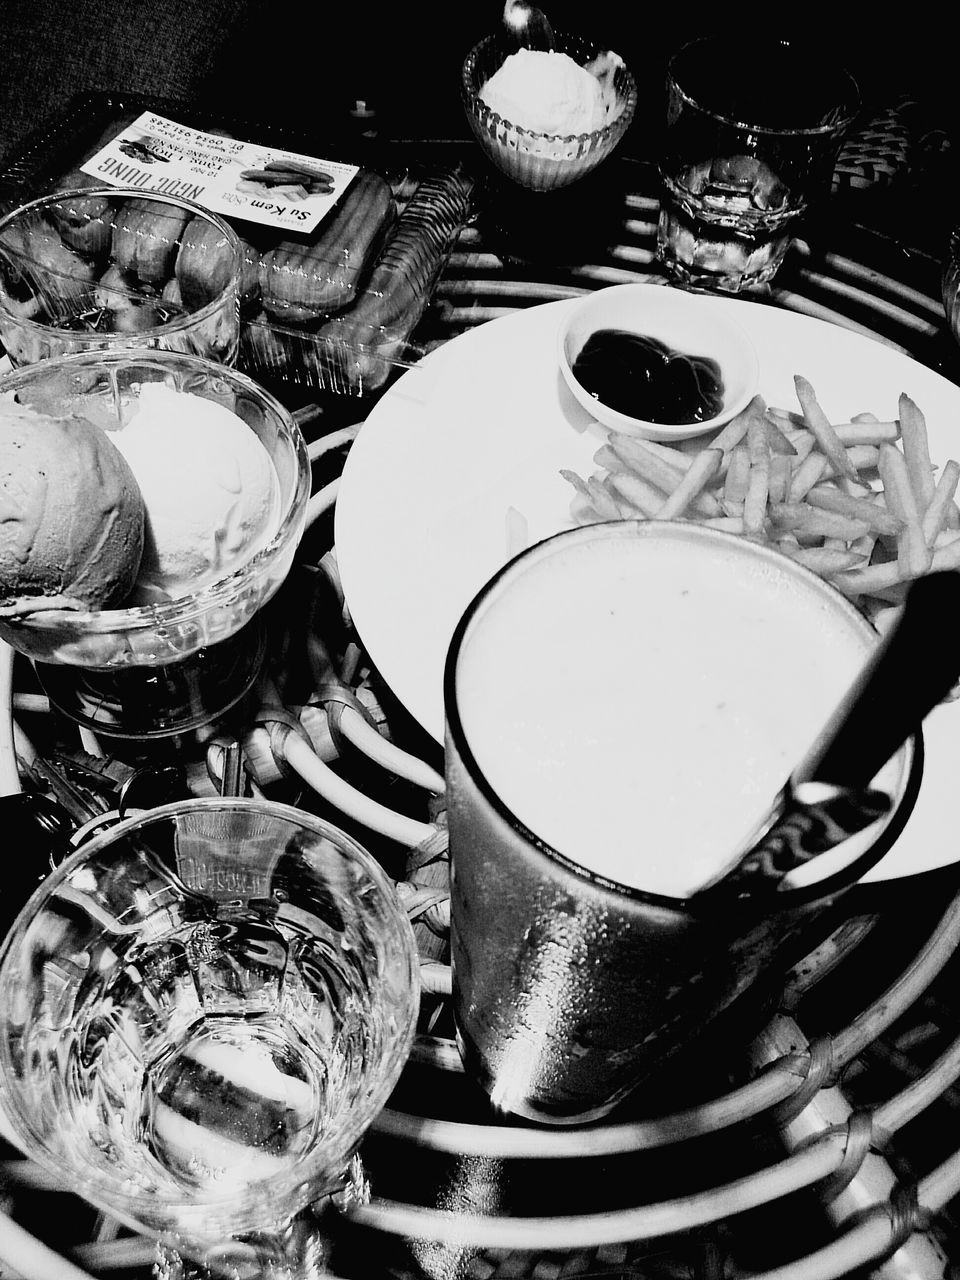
624, 702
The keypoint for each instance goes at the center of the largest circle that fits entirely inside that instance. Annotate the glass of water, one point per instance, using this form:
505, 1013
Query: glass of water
753, 129
201, 1012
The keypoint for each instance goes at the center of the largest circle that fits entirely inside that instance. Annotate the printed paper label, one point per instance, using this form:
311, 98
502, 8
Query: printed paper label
277, 188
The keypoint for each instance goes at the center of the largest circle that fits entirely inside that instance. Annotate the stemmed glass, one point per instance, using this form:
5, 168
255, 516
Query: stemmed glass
153, 670
201, 1012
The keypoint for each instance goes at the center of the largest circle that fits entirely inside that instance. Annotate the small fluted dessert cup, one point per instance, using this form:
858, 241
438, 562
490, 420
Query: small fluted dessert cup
541, 161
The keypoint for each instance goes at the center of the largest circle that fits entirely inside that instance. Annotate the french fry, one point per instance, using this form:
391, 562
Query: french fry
804, 444
738, 471
864, 428
878, 518
781, 473
758, 481
808, 522
860, 457
778, 441
823, 560
858, 489
728, 437
864, 546
789, 417
876, 579
867, 432
581, 511
810, 472
597, 498
755, 499
937, 514
703, 468
871, 580
758, 444
584, 498
913, 554
884, 616
819, 424
626, 510
518, 532
646, 498
646, 463
676, 458
728, 524
604, 503
916, 451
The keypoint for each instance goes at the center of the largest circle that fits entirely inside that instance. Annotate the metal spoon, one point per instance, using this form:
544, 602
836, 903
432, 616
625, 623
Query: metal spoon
828, 796
529, 26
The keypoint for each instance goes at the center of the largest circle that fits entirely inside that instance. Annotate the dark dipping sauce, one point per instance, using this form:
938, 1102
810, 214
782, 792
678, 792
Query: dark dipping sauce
644, 378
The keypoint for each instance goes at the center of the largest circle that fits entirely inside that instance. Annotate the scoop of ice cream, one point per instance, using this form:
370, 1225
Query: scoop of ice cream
71, 514
548, 92
209, 486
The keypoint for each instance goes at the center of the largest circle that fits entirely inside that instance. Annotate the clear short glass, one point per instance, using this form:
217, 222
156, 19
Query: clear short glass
577, 973
201, 1012
104, 268
753, 128
160, 669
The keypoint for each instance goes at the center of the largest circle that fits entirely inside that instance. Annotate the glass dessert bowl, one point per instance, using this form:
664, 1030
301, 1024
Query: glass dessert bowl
105, 268
542, 161
175, 658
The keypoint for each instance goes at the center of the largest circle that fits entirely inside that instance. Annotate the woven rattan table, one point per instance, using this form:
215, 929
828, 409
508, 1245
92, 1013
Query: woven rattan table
815, 1133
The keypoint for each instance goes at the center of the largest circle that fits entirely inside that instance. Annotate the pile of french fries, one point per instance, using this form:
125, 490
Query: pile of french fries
859, 502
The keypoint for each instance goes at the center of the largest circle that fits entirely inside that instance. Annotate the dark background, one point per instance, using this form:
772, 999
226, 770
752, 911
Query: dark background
307, 64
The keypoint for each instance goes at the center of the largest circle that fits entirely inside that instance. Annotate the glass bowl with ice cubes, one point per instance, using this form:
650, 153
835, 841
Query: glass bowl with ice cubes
547, 118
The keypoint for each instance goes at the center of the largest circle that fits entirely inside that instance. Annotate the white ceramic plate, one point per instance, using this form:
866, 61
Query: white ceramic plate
481, 429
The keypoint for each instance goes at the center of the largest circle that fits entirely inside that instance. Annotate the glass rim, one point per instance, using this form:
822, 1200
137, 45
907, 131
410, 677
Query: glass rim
127, 341
785, 899
849, 105
277, 809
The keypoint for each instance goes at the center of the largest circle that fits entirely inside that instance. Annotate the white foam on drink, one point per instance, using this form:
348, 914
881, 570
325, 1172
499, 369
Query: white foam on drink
638, 701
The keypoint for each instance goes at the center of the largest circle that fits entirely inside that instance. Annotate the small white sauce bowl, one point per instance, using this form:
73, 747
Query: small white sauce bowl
686, 322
